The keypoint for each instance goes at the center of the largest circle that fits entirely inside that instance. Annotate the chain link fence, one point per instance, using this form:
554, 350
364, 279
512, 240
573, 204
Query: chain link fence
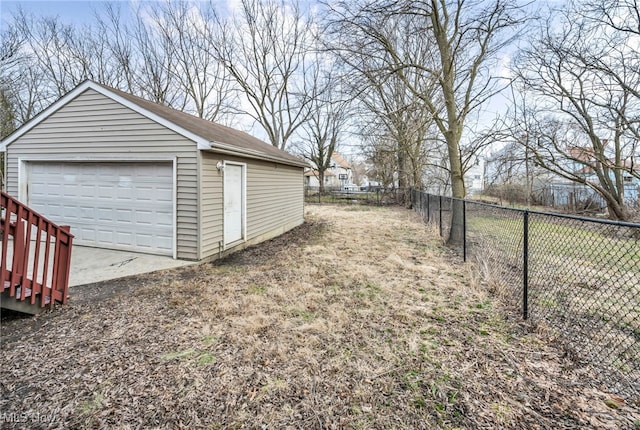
369, 195
578, 278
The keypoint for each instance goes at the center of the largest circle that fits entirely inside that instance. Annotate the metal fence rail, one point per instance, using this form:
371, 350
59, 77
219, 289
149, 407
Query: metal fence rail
578, 277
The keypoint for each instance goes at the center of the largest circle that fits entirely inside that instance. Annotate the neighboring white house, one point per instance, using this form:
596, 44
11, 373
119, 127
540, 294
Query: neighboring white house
474, 179
437, 180
337, 175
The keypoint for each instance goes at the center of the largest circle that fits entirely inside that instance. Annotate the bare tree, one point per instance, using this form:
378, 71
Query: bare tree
58, 51
161, 57
118, 47
392, 112
7, 115
21, 83
200, 77
388, 109
7, 126
12, 42
580, 83
154, 79
10, 58
51, 59
464, 37
265, 47
328, 111
381, 154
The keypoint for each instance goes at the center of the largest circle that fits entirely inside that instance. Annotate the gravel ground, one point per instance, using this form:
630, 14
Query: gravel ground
357, 319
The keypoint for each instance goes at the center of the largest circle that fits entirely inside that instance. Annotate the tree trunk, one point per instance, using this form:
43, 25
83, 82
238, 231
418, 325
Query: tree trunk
617, 211
320, 181
402, 177
456, 234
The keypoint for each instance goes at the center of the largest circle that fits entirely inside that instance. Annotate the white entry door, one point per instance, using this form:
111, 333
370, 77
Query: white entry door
126, 205
234, 202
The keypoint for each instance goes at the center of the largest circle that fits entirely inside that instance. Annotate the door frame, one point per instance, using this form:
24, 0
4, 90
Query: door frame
24, 174
243, 179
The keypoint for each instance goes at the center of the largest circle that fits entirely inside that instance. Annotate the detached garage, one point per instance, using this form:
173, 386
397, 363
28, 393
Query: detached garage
129, 174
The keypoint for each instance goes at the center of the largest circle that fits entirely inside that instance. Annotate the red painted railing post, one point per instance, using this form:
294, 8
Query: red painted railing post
64, 263
18, 253
4, 230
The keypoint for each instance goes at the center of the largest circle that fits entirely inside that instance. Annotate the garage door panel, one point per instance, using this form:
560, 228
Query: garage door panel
165, 241
86, 214
55, 211
145, 217
86, 192
124, 194
145, 240
87, 234
162, 200
68, 212
125, 238
111, 205
125, 216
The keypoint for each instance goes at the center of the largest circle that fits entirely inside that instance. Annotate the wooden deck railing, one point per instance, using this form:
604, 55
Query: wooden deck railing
36, 255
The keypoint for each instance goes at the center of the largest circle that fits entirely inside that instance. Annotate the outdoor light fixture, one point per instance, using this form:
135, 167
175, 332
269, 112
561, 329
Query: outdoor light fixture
220, 165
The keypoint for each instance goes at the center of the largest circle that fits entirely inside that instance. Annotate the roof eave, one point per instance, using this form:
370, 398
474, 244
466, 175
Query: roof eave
225, 148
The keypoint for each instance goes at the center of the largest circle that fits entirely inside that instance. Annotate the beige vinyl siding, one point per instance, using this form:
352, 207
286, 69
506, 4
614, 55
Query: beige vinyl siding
93, 127
275, 197
211, 211
275, 200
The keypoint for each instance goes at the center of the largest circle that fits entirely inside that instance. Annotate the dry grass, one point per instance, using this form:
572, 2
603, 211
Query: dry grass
358, 319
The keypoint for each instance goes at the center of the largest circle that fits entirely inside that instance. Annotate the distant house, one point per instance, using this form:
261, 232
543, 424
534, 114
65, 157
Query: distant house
337, 175
560, 193
126, 173
474, 179
631, 183
557, 191
511, 166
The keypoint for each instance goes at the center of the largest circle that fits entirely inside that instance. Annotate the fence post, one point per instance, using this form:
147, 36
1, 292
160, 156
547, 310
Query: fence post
525, 266
464, 231
440, 201
428, 208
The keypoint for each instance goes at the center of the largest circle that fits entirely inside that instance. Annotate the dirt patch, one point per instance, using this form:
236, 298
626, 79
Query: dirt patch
359, 319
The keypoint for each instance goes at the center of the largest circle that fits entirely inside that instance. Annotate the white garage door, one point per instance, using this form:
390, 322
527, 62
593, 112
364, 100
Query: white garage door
125, 206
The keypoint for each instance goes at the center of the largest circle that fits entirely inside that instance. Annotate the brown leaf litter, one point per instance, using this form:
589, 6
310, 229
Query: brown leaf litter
357, 319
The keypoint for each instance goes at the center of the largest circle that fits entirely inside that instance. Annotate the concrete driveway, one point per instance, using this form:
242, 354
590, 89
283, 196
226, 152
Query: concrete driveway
89, 265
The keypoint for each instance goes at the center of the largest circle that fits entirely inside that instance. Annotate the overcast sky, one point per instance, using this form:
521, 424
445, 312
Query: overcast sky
70, 11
